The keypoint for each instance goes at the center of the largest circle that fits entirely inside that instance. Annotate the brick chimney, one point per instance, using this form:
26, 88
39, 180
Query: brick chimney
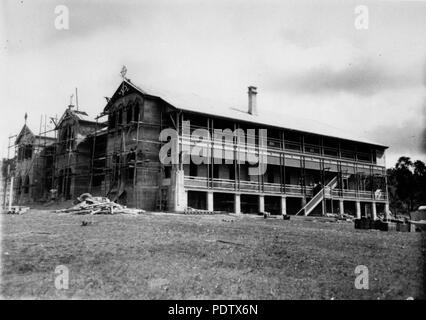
252, 103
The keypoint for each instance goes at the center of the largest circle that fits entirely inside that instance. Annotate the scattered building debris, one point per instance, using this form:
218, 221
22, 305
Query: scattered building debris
383, 225
17, 210
340, 216
190, 210
98, 205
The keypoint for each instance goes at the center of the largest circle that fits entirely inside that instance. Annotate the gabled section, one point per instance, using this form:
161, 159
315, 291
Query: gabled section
76, 115
25, 131
124, 89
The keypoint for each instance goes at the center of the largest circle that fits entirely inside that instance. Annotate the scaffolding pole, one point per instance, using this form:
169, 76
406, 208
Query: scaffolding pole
93, 156
135, 165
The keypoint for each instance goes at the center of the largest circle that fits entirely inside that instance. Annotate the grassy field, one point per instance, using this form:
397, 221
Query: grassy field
164, 256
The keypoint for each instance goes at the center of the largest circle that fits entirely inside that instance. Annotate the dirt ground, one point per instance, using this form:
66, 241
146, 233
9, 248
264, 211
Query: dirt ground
172, 256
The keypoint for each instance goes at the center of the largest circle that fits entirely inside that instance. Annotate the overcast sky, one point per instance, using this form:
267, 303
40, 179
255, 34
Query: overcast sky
306, 58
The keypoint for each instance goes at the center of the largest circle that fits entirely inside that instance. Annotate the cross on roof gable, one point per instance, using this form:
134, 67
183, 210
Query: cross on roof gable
125, 88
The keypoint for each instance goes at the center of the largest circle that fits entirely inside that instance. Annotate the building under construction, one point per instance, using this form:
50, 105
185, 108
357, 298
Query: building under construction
32, 179
73, 153
310, 168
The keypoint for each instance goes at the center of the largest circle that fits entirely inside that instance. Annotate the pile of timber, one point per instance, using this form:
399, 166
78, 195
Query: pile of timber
340, 216
190, 210
98, 205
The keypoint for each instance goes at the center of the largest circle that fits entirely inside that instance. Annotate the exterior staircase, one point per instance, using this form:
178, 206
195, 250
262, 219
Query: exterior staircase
325, 193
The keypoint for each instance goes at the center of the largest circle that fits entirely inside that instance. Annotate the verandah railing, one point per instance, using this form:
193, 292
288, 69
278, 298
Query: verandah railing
291, 146
248, 186
276, 188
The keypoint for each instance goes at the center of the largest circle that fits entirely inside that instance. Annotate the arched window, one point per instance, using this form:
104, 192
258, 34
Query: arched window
112, 120
19, 185
120, 117
136, 110
21, 151
28, 151
129, 113
27, 184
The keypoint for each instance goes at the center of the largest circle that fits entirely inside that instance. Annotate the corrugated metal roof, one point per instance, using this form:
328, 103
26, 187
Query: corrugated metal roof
194, 103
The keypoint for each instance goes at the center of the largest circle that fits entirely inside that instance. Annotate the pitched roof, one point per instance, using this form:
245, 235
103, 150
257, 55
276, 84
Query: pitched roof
191, 102
25, 130
76, 114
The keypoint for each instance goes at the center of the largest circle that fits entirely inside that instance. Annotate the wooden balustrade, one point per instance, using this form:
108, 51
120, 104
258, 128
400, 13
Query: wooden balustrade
276, 188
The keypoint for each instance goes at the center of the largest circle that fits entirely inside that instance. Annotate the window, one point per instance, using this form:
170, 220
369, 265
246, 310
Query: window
120, 118
67, 138
28, 151
19, 185
112, 120
21, 153
129, 114
27, 184
136, 111
25, 152
167, 172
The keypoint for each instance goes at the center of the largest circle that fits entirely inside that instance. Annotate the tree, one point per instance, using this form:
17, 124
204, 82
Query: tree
420, 182
407, 185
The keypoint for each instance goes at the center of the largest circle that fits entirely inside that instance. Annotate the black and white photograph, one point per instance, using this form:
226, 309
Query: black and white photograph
233, 152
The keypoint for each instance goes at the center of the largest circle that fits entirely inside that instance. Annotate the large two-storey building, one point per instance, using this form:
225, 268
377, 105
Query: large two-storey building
162, 151
310, 168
